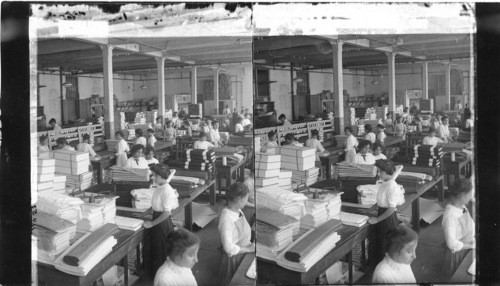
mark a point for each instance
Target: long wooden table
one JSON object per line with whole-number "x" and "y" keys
{"x": 127, "y": 241}
{"x": 462, "y": 274}
{"x": 240, "y": 277}
{"x": 350, "y": 236}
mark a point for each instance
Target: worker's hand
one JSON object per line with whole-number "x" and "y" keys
{"x": 373, "y": 220}
{"x": 148, "y": 224}
{"x": 251, "y": 248}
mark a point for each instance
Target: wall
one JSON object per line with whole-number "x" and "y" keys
{"x": 50, "y": 96}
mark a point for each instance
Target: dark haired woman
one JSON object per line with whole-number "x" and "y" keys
{"x": 137, "y": 161}
{"x": 313, "y": 142}
{"x": 350, "y": 145}
{"x": 235, "y": 232}
{"x": 121, "y": 149}
{"x": 164, "y": 200}
{"x": 389, "y": 196}
{"x": 182, "y": 254}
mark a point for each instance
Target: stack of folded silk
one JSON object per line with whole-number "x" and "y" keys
{"x": 353, "y": 219}
{"x": 128, "y": 223}
{"x": 275, "y": 232}
{"x": 346, "y": 169}
{"x": 316, "y": 213}
{"x": 95, "y": 215}
{"x": 368, "y": 194}
{"x": 60, "y": 205}
{"x": 307, "y": 250}
{"x": 284, "y": 201}
{"x": 131, "y": 175}
{"x": 53, "y": 236}
{"x": 334, "y": 204}
{"x": 308, "y": 177}
{"x": 198, "y": 159}
{"x": 426, "y": 155}
{"x": 88, "y": 251}
{"x": 141, "y": 198}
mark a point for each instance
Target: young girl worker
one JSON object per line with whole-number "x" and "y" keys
{"x": 350, "y": 144}
{"x": 182, "y": 254}
{"x": 121, "y": 149}
{"x": 136, "y": 161}
{"x": 431, "y": 139}
{"x": 370, "y": 136}
{"x": 164, "y": 200}
{"x": 235, "y": 233}
{"x": 400, "y": 245}
{"x": 458, "y": 227}
{"x": 313, "y": 142}
{"x": 377, "y": 152}
{"x": 389, "y": 196}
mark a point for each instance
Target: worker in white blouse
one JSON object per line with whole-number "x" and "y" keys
{"x": 121, "y": 149}
{"x": 85, "y": 147}
{"x": 202, "y": 143}
{"x": 53, "y": 123}
{"x": 370, "y": 136}
{"x": 235, "y": 233}
{"x": 182, "y": 254}
{"x": 164, "y": 200}
{"x": 151, "y": 140}
{"x": 137, "y": 160}
{"x": 283, "y": 120}
{"x": 139, "y": 138}
{"x": 176, "y": 121}
{"x": 62, "y": 144}
{"x": 313, "y": 142}
{"x": 401, "y": 244}
{"x": 214, "y": 136}
{"x": 272, "y": 136}
{"x": 350, "y": 144}
{"x": 364, "y": 157}
{"x": 290, "y": 140}
{"x": 44, "y": 144}
{"x": 458, "y": 227}
{"x": 431, "y": 139}
{"x": 238, "y": 127}
{"x": 444, "y": 131}
{"x": 227, "y": 110}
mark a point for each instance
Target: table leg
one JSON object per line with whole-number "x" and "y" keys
{"x": 328, "y": 170}
{"x": 441, "y": 190}
{"x": 125, "y": 270}
{"x": 212, "y": 195}
{"x": 349, "y": 261}
{"x": 363, "y": 251}
{"x": 188, "y": 215}
{"x": 415, "y": 213}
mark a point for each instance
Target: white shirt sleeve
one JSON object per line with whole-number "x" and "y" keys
{"x": 450, "y": 226}
{"x": 169, "y": 198}
{"x": 226, "y": 229}
{"x": 393, "y": 194}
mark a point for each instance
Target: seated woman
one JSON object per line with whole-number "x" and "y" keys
{"x": 381, "y": 134}
{"x": 290, "y": 140}
{"x": 370, "y": 136}
{"x": 214, "y": 136}
{"x": 62, "y": 144}
{"x": 238, "y": 127}
{"x": 431, "y": 139}
{"x": 44, "y": 144}
{"x": 159, "y": 128}
{"x": 272, "y": 136}
{"x": 247, "y": 121}
{"x": 186, "y": 125}
{"x": 400, "y": 128}
{"x": 400, "y": 245}
{"x": 203, "y": 143}
{"x": 139, "y": 138}
{"x": 85, "y": 147}
{"x": 170, "y": 132}
{"x": 151, "y": 140}
{"x": 363, "y": 157}
{"x": 136, "y": 161}
{"x": 444, "y": 131}
{"x": 377, "y": 152}
{"x": 182, "y": 254}
{"x": 313, "y": 142}
{"x": 149, "y": 153}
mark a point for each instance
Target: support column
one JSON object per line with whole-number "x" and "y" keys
{"x": 391, "y": 60}
{"x": 109, "y": 108}
{"x": 471, "y": 85}
{"x": 194, "y": 85}
{"x": 338, "y": 88}
{"x": 160, "y": 64}
{"x": 216, "y": 90}
{"x": 425, "y": 80}
{"x": 447, "y": 79}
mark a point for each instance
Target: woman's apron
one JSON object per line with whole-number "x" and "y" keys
{"x": 381, "y": 229}
{"x": 159, "y": 235}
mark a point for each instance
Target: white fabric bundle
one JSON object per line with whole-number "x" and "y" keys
{"x": 353, "y": 219}
{"x": 60, "y": 205}
{"x": 128, "y": 223}
{"x": 287, "y": 202}
{"x": 142, "y": 198}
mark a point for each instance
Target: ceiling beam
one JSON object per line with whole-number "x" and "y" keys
{"x": 367, "y": 43}
{"x": 60, "y": 46}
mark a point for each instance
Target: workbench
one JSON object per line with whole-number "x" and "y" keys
{"x": 106, "y": 159}
{"x": 240, "y": 277}
{"x": 462, "y": 274}
{"x": 331, "y": 159}
{"x": 229, "y": 174}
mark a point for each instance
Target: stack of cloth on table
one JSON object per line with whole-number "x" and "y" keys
{"x": 196, "y": 159}
{"x": 274, "y": 231}
{"x": 368, "y": 194}
{"x": 95, "y": 215}
{"x": 141, "y": 198}
{"x": 60, "y": 205}
{"x": 426, "y": 155}
{"x": 45, "y": 174}
{"x": 53, "y": 235}
{"x": 71, "y": 162}
{"x": 190, "y": 173}
{"x": 128, "y": 223}
{"x": 307, "y": 177}
{"x": 285, "y": 179}
{"x": 130, "y": 175}
{"x": 307, "y": 250}
{"x": 350, "y": 185}
{"x": 82, "y": 181}
{"x": 316, "y": 213}
{"x": 412, "y": 181}
{"x": 60, "y": 183}
{"x": 353, "y": 219}
{"x": 267, "y": 170}
{"x": 346, "y": 169}
{"x": 296, "y": 158}
{"x": 284, "y": 201}
{"x": 334, "y": 204}
{"x": 185, "y": 185}
{"x": 453, "y": 147}
{"x": 88, "y": 251}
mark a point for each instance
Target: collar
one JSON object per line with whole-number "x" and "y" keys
{"x": 395, "y": 265}
{"x": 458, "y": 212}
{"x": 232, "y": 215}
